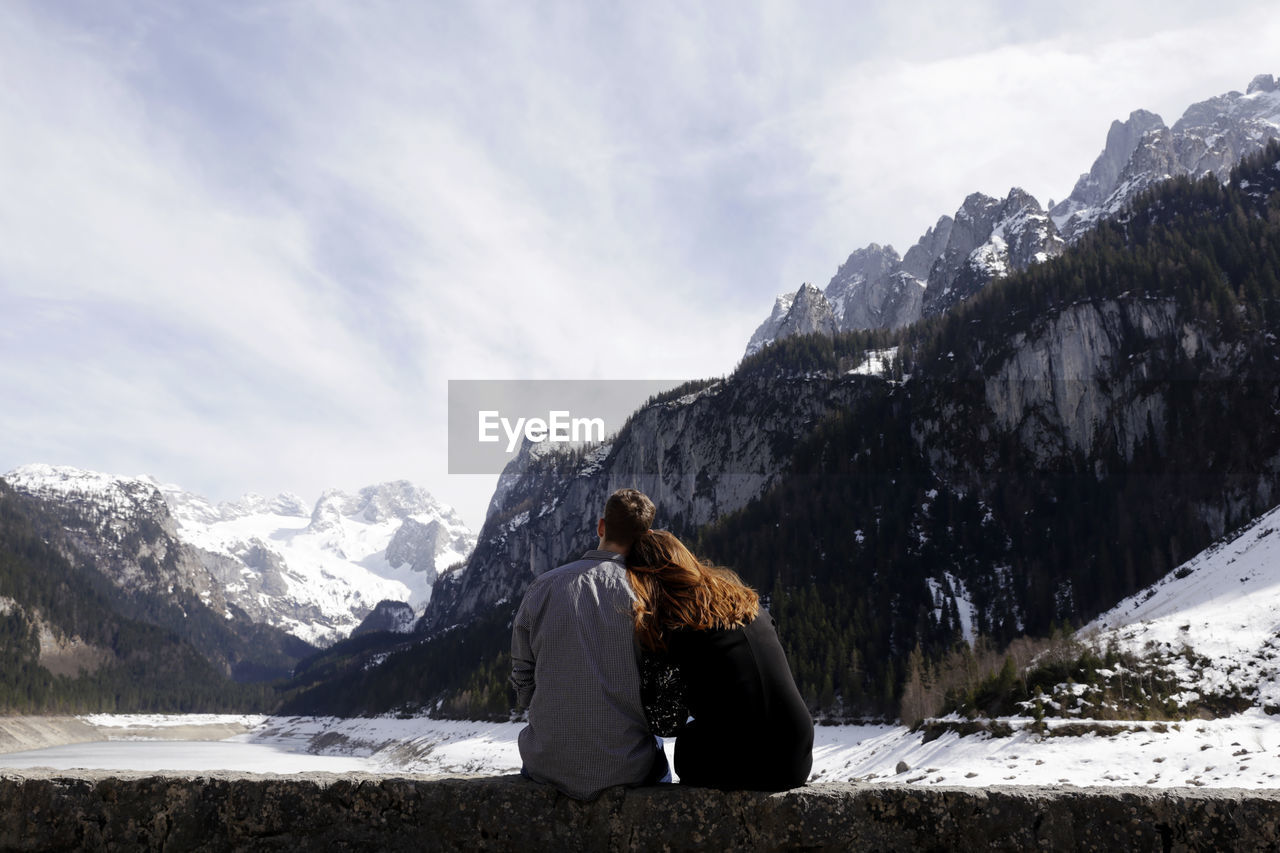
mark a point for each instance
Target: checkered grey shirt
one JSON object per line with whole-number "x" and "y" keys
{"x": 573, "y": 663}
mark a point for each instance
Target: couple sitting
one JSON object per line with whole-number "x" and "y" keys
{"x": 639, "y": 624}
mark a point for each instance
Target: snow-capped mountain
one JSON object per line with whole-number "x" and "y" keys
{"x": 1213, "y": 620}
{"x": 1210, "y": 138}
{"x": 876, "y": 289}
{"x": 315, "y": 571}
{"x": 989, "y": 238}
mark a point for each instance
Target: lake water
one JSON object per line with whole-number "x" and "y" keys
{"x": 183, "y": 756}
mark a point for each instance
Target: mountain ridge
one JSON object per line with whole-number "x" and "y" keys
{"x": 313, "y": 572}
{"x": 1210, "y": 137}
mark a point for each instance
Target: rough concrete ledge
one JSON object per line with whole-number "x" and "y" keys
{"x": 45, "y": 810}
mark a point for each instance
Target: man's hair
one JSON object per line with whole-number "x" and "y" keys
{"x": 627, "y": 514}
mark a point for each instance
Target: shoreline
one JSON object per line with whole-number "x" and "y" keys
{"x": 26, "y": 733}
{"x": 1240, "y": 751}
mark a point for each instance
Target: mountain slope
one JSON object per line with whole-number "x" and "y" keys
{"x": 698, "y": 452}
{"x": 312, "y": 572}
{"x": 1064, "y": 439}
{"x": 66, "y": 644}
{"x": 1213, "y": 620}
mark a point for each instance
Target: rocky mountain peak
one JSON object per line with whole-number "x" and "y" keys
{"x": 977, "y": 209}
{"x": 329, "y": 510}
{"x": 396, "y": 617}
{"x": 98, "y": 495}
{"x": 398, "y": 499}
{"x": 919, "y": 258}
{"x": 872, "y": 261}
{"x": 767, "y": 332}
{"x": 989, "y": 237}
{"x": 802, "y": 313}
{"x": 871, "y": 290}
{"x": 810, "y": 313}
{"x": 1262, "y": 83}
{"x": 418, "y": 545}
{"x": 287, "y": 503}
{"x": 864, "y": 268}
{"x": 1210, "y": 138}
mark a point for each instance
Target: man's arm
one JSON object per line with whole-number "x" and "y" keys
{"x": 521, "y": 658}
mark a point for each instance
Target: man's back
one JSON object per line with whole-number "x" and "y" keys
{"x": 573, "y": 664}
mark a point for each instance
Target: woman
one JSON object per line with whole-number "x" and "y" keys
{"x": 749, "y": 728}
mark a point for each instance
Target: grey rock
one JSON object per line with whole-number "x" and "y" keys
{"x": 1100, "y": 181}
{"x": 323, "y": 812}
{"x": 1209, "y": 139}
{"x": 810, "y": 313}
{"x": 419, "y": 545}
{"x": 1262, "y": 83}
{"x": 875, "y": 289}
{"x": 697, "y": 457}
{"x": 807, "y": 311}
{"x": 920, "y": 258}
{"x": 989, "y": 239}
{"x": 394, "y": 616}
{"x": 269, "y": 568}
{"x": 767, "y": 332}
{"x": 871, "y": 290}
{"x": 1059, "y": 388}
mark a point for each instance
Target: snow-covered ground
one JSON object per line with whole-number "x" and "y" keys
{"x": 876, "y": 362}
{"x": 1242, "y": 751}
{"x": 1239, "y": 752}
{"x": 1214, "y": 620}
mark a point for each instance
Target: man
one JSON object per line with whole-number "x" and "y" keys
{"x": 573, "y": 664}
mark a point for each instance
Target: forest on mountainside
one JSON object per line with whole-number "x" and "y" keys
{"x": 116, "y": 663}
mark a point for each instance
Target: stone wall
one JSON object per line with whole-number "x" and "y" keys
{"x": 43, "y": 810}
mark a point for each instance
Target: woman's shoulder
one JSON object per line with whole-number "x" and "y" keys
{"x": 694, "y": 637}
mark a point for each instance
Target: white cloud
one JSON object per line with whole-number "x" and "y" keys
{"x": 246, "y": 245}
{"x": 900, "y": 143}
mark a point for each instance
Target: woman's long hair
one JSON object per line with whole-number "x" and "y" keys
{"x": 675, "y": 590}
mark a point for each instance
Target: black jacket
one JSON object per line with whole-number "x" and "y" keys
{"x": 750, "y": 727}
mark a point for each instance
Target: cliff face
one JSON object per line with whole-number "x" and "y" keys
{"x": 320, "y": 812}
{"x": 1084, "y": 372}
{"x": 698, "y": 457}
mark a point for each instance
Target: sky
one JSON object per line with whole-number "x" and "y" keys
{"x": 244, "y": 246}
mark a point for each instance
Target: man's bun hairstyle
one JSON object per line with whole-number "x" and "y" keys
{"x": 627, "y": 514}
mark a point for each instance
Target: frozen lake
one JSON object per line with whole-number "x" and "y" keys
{"x": 184, "y": 756}
{"x": 1235, "y": 752}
